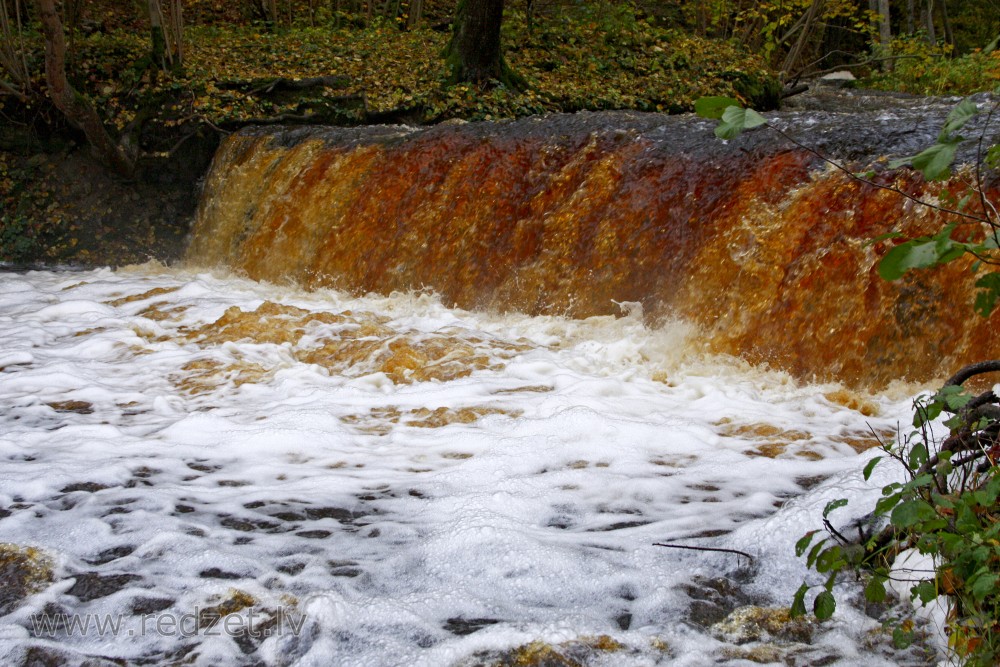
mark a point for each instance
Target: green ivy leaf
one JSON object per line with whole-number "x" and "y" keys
{"x": 901, "y": 638}
{"x": 984, "y": 584}
{"x": 913, "y": 254}
{"x": 926, "y": 591}
{"x": 828, "y": 560}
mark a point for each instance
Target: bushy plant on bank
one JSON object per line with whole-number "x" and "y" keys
{"x": 947, "y": 507}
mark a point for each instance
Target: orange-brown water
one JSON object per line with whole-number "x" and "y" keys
{"x": 766, "y": 251}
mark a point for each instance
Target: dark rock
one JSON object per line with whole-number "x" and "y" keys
{"x": 91, "y": 585}
{"x": 114, "y": 553}
{"x": 466, "y": 626}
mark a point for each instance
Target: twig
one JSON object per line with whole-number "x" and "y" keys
{"x": 693, "y": 548}
{"x": 24, "y": 99}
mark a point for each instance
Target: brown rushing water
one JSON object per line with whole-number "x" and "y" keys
{"x": 756, "y": 242}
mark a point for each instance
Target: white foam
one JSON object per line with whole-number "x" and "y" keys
{"x": 539, "y": 520}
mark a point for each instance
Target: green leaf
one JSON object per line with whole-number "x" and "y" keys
{"x": 984, "y": 584}
{"x": 814, "y": 552}
{"x": 914, "y": 254}
{"x": 824, "y": 605}
{"x": 803, "y": 543}
{"x": 832, "y": 505}
{"x": 926, "y": 591}
{"x": 871, "y": 466}
{"x": 901, "y": 638}
{"x": 988, "y": 294}
{"x": 910, "y": 513}
{"x": 828, "y": 560}
{"x": 963, "y": 112}
{"x": 735, "y": 120}
{"x": 935, "y": 162}
{"x": 875, "y": 590}
{"x": 713, "y": 107}
{"x": 885, "y": 504}
{"x": 799, "y": 602}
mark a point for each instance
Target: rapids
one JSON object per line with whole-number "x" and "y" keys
{"x": 385, "y": 480}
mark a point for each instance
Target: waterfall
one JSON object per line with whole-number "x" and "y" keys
{"x": 758, "y": 242}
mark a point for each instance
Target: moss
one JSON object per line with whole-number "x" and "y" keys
{"x": 573, "y": 653}
{"x": 234, "y": 602}
{"x": 753, "y": 623}
{"x": 23, "y": 572}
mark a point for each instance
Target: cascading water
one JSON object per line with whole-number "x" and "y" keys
{"x": 455, "y": 448}
{"x": 755, "y": 242}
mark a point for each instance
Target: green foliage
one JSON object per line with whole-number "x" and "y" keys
{"x": 19, "y": 235}
{"x": 924, "y": 69}
{"x": 947, "y": 509}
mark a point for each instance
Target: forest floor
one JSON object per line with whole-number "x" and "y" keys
{"x": 57, "y": 205}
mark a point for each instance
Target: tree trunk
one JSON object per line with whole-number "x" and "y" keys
{"x": 78, "y": 110}
{"x": 931, "y": 37}
{"x": 158, "y": 50}
{"x": 884, "y": 32}
{"x": 416, "y": 13}
{"x": 949, "y": 37}
{"x": 911, "y": 10}
{"x": 166, "y": 30}
{"x": 474, "y": 54}
{"x": 808, "y": 21}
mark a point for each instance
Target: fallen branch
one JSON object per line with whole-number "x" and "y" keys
{"x": 693, "y": 548}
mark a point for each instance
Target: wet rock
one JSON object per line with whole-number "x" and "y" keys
{"x": 79, "y": 407}
{"x": 575, "y": 653}
{"x": 712, "y": 600}
{"x": 143, "y": 606}
{"x": 235, "y": 602}
{"x": 91, "y": 585}
{"x": 794, "y": 655}
{"x": 314, "y": 534}
{"x": 752, "y": 623}
{"x": 466, "y": 626}
{"x": 291, "y": 569}
{"x": 47, "y": 656}
{"x": 23, "y": 572}
{"x": 89, "y": 487}
{"x": 250, "y": 525}
{"x": 337, "y": 513}
{"x": 216, "y": 573}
